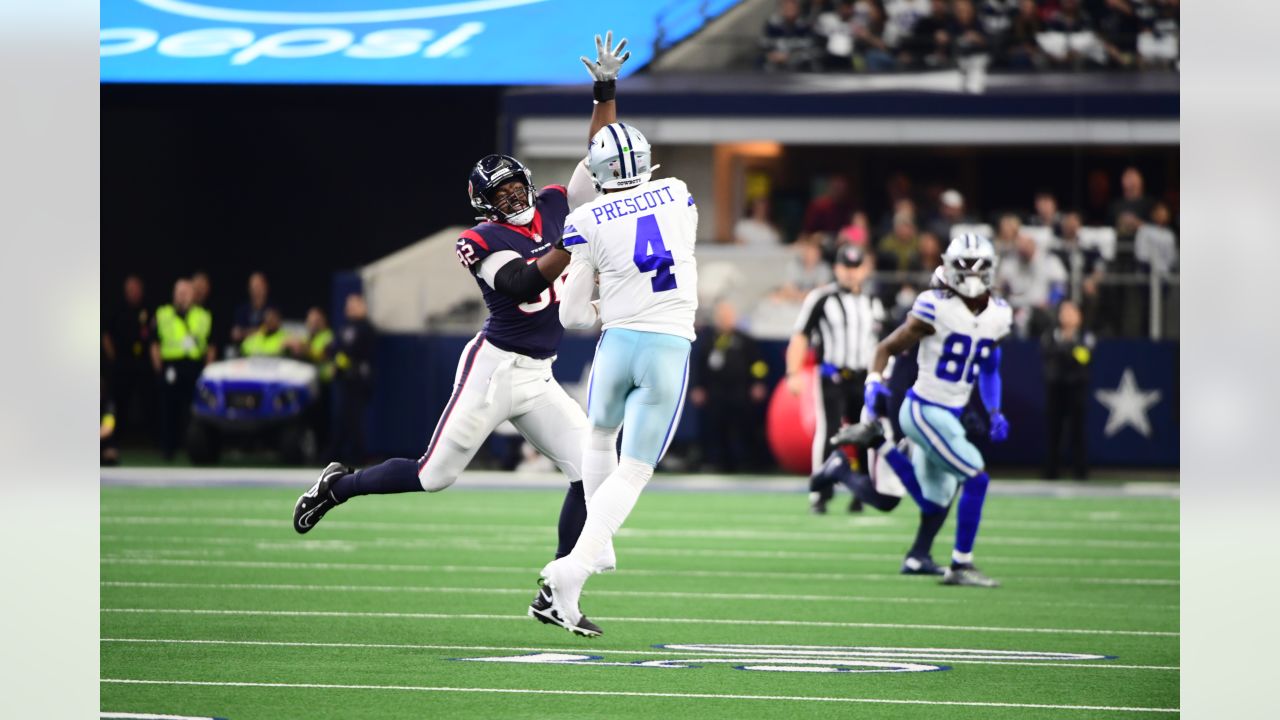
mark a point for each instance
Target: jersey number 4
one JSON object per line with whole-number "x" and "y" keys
{"x": 959, "y": 353}
{"x": 652, "y": 255}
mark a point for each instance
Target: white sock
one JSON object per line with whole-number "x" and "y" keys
{"x": 600, "y": 459}
{"x": 963, "y": 558}
{"x": 608, "y": 509}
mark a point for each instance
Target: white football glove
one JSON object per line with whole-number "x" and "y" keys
{"x": 608, "y": 62}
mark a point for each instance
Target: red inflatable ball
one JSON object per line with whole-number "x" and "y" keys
{"x": 789, "y": 425}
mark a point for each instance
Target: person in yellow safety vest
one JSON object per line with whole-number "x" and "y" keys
{"x": 318, "y": 348}
{"x": 178, "y": 355}
{"x": 270, "y": 339}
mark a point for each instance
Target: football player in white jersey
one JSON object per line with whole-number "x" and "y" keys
{"x": 638, "y": 238}
{"x": 958, "y": 329}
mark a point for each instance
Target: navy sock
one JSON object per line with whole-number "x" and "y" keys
{"x": 930, "y": 524}
{"x": 837, "y": 469}
{"x": 972, "y": 497}
{"x": 397, "y": 475}
{"x": 573, "y": 515}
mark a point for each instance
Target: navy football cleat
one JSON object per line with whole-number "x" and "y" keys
{"x": 865, "y": 435}
{"x": 317, "y": 501}
{"x": 921, "y": 565}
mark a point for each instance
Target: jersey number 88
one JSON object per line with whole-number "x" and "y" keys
{"x": 956, "y": 357}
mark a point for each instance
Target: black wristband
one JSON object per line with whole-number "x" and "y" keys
{"x": 604, "y": 90}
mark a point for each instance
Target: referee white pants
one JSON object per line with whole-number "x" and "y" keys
{"x": 492, "y": 386}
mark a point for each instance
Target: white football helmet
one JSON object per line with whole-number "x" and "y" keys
{"x": 970, "y": 265}
{"x": 619, "y": 157}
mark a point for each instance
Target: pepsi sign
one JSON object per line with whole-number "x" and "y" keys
{"x": 462, "y": 42}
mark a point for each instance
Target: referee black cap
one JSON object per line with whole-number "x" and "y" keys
{"x": 850, "y": 255}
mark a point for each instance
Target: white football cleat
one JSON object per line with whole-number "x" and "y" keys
{"x": 564, "y": 580}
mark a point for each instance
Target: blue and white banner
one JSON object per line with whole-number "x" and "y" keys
{"x": 382, "y": 42}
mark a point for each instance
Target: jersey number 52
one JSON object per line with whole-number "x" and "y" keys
{"x": 652, "y": 255}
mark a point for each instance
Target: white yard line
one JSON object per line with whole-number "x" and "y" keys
{"x": 763, "y": 521}
{"x": 548, "y": 531}
{"x": 669, "y": 621}
{"x": 485, "y": 569}
{"x": 600, "y": 593}
{"x": 621, "y": 693}
{"x": 329, "y": 545}
{"x": 903, "y": 654}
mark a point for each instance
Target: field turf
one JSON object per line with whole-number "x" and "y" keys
{"x": 213, "y": 607}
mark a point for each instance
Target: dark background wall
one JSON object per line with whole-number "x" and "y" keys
{"x": 296, "y": 181}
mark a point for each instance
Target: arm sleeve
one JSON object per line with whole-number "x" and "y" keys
{"x": 519, "y": 280}
{"x": 989, "y": 385}
{"x": 577, "y": 311}
{"x": 582, "y": 187}
{"x": 488, "y": 268}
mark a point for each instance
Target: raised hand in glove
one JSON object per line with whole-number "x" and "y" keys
{"x": 608, "y": 62}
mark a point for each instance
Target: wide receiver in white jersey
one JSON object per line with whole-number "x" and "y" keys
{"x": 958, "y": 329}
{"x": 638, "y": 238}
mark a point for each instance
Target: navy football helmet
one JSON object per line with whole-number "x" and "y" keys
{"x": 491, "y": 173}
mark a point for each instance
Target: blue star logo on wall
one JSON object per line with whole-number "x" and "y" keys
{"x": 1128, "y": 406}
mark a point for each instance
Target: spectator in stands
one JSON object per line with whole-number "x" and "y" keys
{"x": 930, "y": 42}
{"x": 1066, "y": 351}
{"x": 828, "y": 212}
{"x": 788, "y": 40}
{"x": 249, "y": 315}
{"x": 969, "y": 39}
{"x": 900, "y": 19}
{"x": 950, "y": 212}
{"x": 269, "y": 340}
{"x": 834, "y": 29}
{"x": 1032, "y": 280}
{"x": 1133, "y": 200}
{"x": 126, "y": 341}
{"x": 354, "y": 389}
{"x": 755, "y": 228}
{"x": 727, "y": 383}
{"x": 1098, "y": 198}
{"x": 1158, "y": 37}
{"x": 857, "y": 232}
{"x": 1118, "y": 26}
{"x": 1022, "y": 52}
{"x": 1085, "y": 269}
{"x": 894, "y": 250}
{"x": 1008, "y": 229}
{"x": 806, "y": 271}
{"x": 871, "y": 50}
{"x": 926, "y": 258}
{"x": 1074, "y": 41}
{"x": 1046, "y": 213}
{"x": 1155, "y": 244}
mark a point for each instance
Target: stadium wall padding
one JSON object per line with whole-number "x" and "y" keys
{"x": 415, "y": 378}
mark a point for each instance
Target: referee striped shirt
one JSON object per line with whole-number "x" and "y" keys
{"x": 842, "y": 327}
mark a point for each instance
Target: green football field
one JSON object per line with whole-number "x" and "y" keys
{"x": 725, "y": 605}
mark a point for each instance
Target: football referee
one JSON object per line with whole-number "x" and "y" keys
{"x": 842, "y": 322}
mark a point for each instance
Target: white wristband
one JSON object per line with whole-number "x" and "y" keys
{"x": 873, "y": 377}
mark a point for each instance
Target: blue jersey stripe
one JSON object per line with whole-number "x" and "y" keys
{"x": 574, "y": 240}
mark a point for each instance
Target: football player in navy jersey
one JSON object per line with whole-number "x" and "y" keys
{"x": 518, "y": 259}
